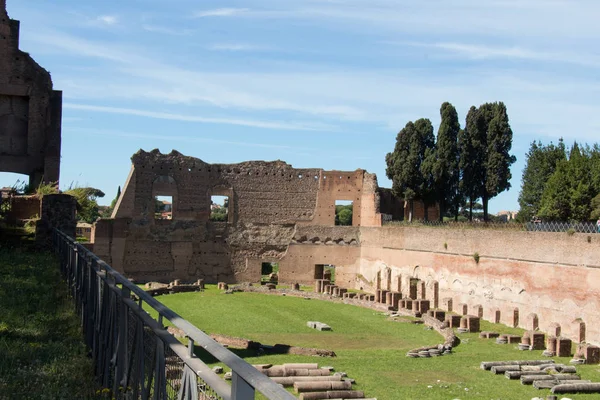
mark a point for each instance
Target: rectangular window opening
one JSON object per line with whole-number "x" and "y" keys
{"x": 219, "y": 208}
{"x": 343, "y": 212}
{"x": 163, "y": 207}
{"x": 269, "y": 272}
{"x": 319, "y": 268}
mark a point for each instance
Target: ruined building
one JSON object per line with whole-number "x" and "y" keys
{"x": 271, "y": 207}
{"x": 30, "y": 111}
{"x": 277, "y": 213}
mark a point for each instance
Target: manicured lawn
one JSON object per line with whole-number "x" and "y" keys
{"x": 42, "y": 355}
{"x": 369, "y": 348}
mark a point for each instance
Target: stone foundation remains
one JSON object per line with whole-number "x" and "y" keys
{"x": 280, "y": 214}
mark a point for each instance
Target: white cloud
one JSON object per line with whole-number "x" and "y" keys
{"x": 194, "y": 118}
{"x": 177, "y": 138}
{"x": 236, "y": 47}
{"x": 167, "y": 31}
{"x": 485, "y": 52}
{"x": 221, "y": 12}
{"x": 108, "y": 19}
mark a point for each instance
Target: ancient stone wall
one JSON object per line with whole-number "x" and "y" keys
{"x": 268, "y": 203}
{"x": 58, "y": 211}
{"x": 30, "y": 111}
{"x": 285, "y": 215}
{"x": 519, "y": 276}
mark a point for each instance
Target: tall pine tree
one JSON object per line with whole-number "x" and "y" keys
{"x": 485, "y": 158}
{"x": 404, "y": 163}
{"x": 471, "y": 152}
{"x": 441, "y": 164}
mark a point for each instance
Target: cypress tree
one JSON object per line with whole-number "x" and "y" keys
{"x": 441, "y": 163}
{"x": 404, "y": 163}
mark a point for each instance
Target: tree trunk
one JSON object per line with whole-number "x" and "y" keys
{"x": 470, "y": 209}
{"x": 442, "y": 207}
{"x": 410, "y": 210}
{"x": 485, "y": 200}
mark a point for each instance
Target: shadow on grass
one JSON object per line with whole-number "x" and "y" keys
{"x": 42, "y": 353}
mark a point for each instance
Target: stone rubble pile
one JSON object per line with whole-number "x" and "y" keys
{"x": 312, "y": 382}
{"x": 543, "y": 374}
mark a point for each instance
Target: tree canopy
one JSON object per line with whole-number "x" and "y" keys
{"x": 560, "y": 188}
{"x": 473, "y": 163}
{"x": 404, "y": 165}
{"x": 87, "y": 206}
{"x": 541, "y": 162}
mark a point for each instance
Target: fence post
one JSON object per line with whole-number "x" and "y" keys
{"x": 240, "y": 389}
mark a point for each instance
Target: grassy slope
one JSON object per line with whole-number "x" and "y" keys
{"x": 41, "y": 352}
{"x": 369, "y": 348}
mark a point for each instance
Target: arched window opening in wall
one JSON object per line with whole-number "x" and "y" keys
{"x": 219, "y": 208}
{"x": 343, "y": 212}
{"x": 163, "y": 207}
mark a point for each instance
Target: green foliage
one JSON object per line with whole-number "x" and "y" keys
{"x": 441, "y": 163}
{"x": 485, "y": 153}
{"x": 46, "y": 188}
{"x": 541, "y": 162}
{"x": 476, "y": 257}
{"x": 471, "y": 150}
{"x": 570, "y": 191}
{"x": 42, "y": 354}
{"x": 343, "y": 215}
{"x": 404, "y": 165}
{"x": 87, "y": 206}
{"x": 218, "y": 214}
{"x": 595, "y": 215}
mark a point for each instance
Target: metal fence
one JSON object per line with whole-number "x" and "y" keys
{"x": 574, "y": 227}
{"x": 134, "y": 356}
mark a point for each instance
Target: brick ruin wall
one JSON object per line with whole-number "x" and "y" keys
{"x": 30, "y": 111}
{"x": 269, "y": 203}
{"x": 286, "y": 215}
{"x": 522, "y": 279}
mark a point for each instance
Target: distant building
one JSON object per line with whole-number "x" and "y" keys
{"x": 507, "y": 216}
{"x": 84, "y": 229}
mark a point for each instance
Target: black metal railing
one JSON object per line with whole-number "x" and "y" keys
{"x": 134, "y": 355}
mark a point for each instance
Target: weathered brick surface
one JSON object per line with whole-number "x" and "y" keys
{"x": 30, "y": 111}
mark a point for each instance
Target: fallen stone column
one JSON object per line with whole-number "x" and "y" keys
{"x": 486, "y": 365}
{"x": 577, "y": 388}
{"x": 301, "y": 365}
{"x": 300, "y": 387}
{"x": 290, "y": 380}
{"x": 501, "y": 369}
{"x": 528, "y": 379}
{"x": 345, "y": 394}
{"x": 550, "y": 384}
{"x": 519, "y": 374}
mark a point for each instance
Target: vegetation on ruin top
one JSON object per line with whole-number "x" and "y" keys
{"x": 42, "y": 355}
{"x": 369, "y": 348}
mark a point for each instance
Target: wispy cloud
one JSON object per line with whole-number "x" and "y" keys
{"x": 194, "y": 118}
{"x": 178, "y": 138}
{"x": 486, "y": 52}
{"x": 236, "y": 47}
{"x": 167, "y": 31}
{"x": 220, "y": 12}
{"x": 107, "y": 19}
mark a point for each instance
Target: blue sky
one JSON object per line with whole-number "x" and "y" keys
{"x": 316, "y": 83}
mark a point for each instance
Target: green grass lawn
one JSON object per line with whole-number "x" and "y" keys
{"x": 369, "y": 348}
{"x": 42, "y": 355}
